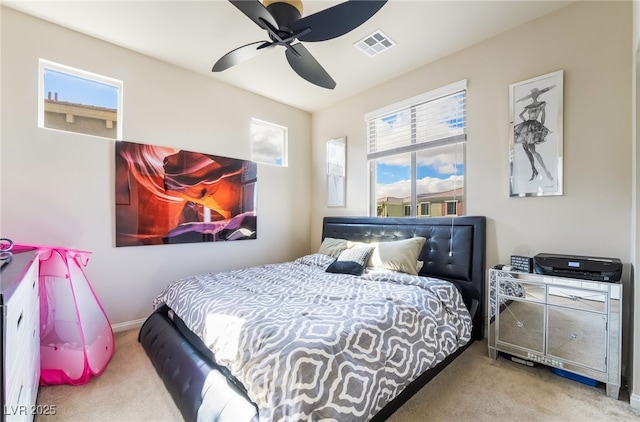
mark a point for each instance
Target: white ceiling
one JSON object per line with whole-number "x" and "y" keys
{"x": 194, "y": 34}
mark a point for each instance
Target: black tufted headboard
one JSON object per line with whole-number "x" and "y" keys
{"x": 454, "y": 250}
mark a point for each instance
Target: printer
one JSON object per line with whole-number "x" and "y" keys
{"x": 575, "y": 266}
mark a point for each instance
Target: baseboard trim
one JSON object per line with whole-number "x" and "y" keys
{"x": 634, "y": 400}
{"x": 129, "y": 325}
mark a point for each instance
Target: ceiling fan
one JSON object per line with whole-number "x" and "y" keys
{"x": 283, "y": 22}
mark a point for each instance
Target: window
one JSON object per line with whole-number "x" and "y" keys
{"x": 452, "y": 207}
{"x": 416, "y": 152}
{"x": 74, "y": 100}
{"x": 268, "y": 143}
{"x": 425, "y": 209}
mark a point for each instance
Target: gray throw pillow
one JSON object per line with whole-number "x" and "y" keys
{"x": 351, "y": 261}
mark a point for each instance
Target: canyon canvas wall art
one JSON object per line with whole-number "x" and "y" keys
{"x": 167, "y": 195}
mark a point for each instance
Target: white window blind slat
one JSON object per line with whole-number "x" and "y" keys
{"x": 415, "y": 147}
{"x": 444, "y": 117}
{"x": 418, "y": 99}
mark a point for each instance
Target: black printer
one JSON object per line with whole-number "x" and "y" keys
{"x": 582, "y": 267}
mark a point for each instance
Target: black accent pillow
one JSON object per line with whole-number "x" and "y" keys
{"x": 351, "y": 261}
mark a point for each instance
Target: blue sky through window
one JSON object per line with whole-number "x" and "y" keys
{"x": 74, "y": 89}
{"x": 391, "y": 173}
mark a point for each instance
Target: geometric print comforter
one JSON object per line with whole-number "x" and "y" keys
{"x": 310, "y": 345}
{"x": 507, "y": 288}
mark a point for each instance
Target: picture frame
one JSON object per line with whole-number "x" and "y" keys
{"x": 336, "y": 172}
{"x": 535, "y": 136}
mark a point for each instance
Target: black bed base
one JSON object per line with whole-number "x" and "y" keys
{"x": 200, "y": 388}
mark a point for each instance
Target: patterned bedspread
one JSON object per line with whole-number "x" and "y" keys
{"x": 310, "y": 345}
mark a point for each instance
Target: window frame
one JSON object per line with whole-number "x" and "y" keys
{"x": 44, "y": 64}
{"x": 455, "y": 207}
{"x": 423, "y": 204}
{"x": 414, "y": 148}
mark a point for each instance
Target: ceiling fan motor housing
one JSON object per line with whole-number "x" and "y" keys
{"x": 284, "y": 13}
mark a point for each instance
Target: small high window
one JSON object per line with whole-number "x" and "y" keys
{"x": 268, "y": 143}
{"x": 75, "y": 100}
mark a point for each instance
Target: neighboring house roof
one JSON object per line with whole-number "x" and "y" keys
{"x": 83, "y": 110}
{"x": 457, "y": 193}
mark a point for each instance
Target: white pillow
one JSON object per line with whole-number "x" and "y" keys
{"x": 332, "y": 247}
{"x": 397, "y": 255}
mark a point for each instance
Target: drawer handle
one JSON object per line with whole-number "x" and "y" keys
{"x": 19, "y": 320}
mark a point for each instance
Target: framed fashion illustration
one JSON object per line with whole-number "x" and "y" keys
{"x": 336, "y": 172}
{"x": 535, "y": 140}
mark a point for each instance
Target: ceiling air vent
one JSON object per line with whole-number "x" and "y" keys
{"x": 375, "y": 43}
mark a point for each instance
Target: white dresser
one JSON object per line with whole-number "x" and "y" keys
{"x": 570, "y": 324}
{"x": 20, "y": 310}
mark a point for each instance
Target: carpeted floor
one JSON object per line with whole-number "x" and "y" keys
{"x": 473, "y": 388}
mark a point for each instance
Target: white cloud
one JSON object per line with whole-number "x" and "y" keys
{"x": 267, "y": 143}
{"x": 402, "y": 188}
{"x": 443, "y": 159}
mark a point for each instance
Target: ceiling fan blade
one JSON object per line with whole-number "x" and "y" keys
{"x": 240, "y": 55}
{"x": 305, "y": 65}
{"x": 255, "y": 11}
{"x": 337, "y": 20}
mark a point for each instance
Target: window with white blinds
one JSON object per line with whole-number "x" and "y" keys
{"x": 416, "y": 153}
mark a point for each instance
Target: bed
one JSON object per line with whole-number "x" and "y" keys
{"x": 303, "y": 368}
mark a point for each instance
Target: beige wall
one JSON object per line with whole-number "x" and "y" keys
{"x": 591, "y": 42}
{"x": 58, "y": 188}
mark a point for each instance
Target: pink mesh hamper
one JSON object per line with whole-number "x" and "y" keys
{"x": 76, "y": 339}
